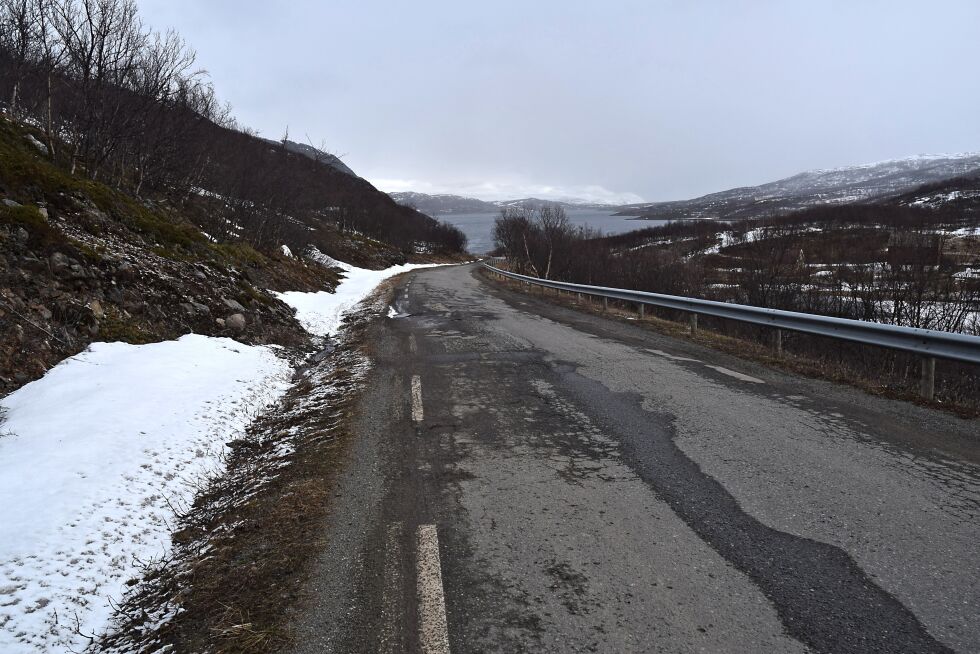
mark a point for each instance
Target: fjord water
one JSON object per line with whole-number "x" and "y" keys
{"x": 478, "y": 227}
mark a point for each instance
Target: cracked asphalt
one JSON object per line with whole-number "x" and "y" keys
{"x": 597, "y": 487}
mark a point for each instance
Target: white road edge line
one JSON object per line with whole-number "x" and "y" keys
{"x": 417, "y": 414}
{"x": 736, "y": 375}
{"x": 433, "y": 628}
{"x": 671, "y": 356}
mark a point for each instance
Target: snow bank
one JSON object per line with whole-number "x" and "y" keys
{"x": 321, "y": 313}
{"x": 90, "y": 456}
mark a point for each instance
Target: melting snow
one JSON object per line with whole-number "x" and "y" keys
{"x": 93, "y": 455}
{"x": 321, "y": 313}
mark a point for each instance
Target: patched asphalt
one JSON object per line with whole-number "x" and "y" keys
{"x": 598, "y": 487}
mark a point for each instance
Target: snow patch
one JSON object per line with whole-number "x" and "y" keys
{"x": 321, "y": 312}
{"x": 92, "y": 458}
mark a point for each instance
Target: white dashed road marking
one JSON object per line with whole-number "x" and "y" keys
{"x": 416, "y": 398}
{"x": 433, "y": 629}
{"x": 390, "y": 643}
{"x": 736, "y": 375}
{"x": 413, "y": 346}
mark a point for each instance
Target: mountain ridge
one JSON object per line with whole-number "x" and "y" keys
{"x": 818, "y": 186}
{"x": 443, "y": 204}
{"x": 842, "y": 185}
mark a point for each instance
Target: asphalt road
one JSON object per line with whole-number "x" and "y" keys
{"x": 529, "y": 478}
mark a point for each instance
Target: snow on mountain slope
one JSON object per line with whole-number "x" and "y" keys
{"x": 92, "y": 458}
{"x": 829, "y": 186}
{"x": 444, "y": 203}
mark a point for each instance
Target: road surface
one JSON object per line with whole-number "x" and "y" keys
{"x": 529, "y": 478}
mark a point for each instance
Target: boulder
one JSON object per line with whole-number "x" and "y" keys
{"x": 96, "y": 308}
{"x": 234, "y": 305}
{"x": 59, "y": 263}
{"x": 235, "y": 322}
{"x": 11, "y": 203}
{"x": 32, "y": 264}
{"x": 220, "y": 322}
{"x": 125, "y": 270}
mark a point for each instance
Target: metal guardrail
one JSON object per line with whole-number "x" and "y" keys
{"x": 928, "y": 343}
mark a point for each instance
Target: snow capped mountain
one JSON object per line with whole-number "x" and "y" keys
{"x": 446, "y": 204}
{"x": 443, "y": 203}
{"x": 815, "y": 187}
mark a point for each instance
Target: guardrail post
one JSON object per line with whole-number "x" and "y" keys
{"x": 578, "y": 298}
{"x": 639, "y": 308}
{"x": 605, "y": 303}
{"x": 778, "y": 343}
{"x": 694, "y": 322}
{"x": 927, "y": 383}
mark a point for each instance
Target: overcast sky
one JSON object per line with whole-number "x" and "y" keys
{"x": 604, "y": 99}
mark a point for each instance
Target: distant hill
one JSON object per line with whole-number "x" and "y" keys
{"x": 815, "y": 188}
{"x": 445, "y": 204}
{"x": 959, "y": 195}
{"x": 437, "y": 205}
{"x": 316, "y": 154}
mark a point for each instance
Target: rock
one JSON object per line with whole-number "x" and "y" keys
{"x": 33, "y": 264}
{"x": 10, "y": 203}
{"x": 59, "y": 263}
{"x": 43, "y": 149}
{"x": 21, "y": 235}
{"x": 220, "y": 322}
{"x": 233, "y": 305}
{"x": 200, "y": 275}
{"x": 201, "y": 308}
{"x": 126, "y": 270}
{"x": 235, "y": 322}
{"x": 96, "y": 308}
{"x": 187, "y": 308}
{"x": 44, "y": 212}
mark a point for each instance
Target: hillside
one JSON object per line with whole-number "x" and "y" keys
{"x": 315, "y": 154}
{"x": 814, "y": 188}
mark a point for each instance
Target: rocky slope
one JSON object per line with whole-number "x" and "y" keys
{"x": 81, "y": 262}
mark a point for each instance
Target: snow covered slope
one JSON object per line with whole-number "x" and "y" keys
{"x": 815, "y": 187}
{"x": 93, "y": 456}
{"x": 321, "y": 313}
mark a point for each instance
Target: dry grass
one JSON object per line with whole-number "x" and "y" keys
{"x": 244, "y": 550}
